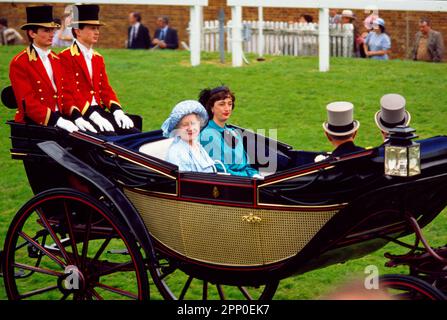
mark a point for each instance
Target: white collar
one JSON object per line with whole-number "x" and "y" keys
{"x": 136, "y": 25}
{"x": 43, "y": 54}
{"x": 85, "y": 51}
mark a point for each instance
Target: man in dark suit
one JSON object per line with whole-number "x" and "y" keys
{"x": 341, "y": 128}
{"x": 137, "y": 34}
{"x": 165, "y": 37}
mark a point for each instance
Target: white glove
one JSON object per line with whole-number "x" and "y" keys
{"x": 84, "y": 125}
{"x": 66, "y": 125}
{"x": 320, "y": 157}
{"x": 123, "y": 121}
{"x": 101, "y": 122}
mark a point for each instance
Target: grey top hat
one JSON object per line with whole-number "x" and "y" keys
{"x": 340, "y": 119}
{"x": 392, "y": 112}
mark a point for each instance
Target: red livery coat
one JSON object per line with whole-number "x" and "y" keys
{"x": 84, "y": 88}
{"x": 33, "y": 87}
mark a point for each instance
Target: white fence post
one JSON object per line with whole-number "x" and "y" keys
{"x": 236, "y": 36}
{"x": 261, "y": 40}
{"x": 324, "y": 39}
{"x": 196, "y": 21}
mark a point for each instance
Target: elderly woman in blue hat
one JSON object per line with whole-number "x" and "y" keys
{"x": 378, "y": 44}
{"x": 184, "y": 124}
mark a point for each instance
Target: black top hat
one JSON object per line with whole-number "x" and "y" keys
{"x": 41, "y": 16}
{"x": 85, "y": 14}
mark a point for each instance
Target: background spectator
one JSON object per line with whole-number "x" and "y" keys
{"x": 137, "y": 34}
{"x": 369, "y": 20}
{"x": 165, "y": 37}
{"x": 378, "y": 43}
{"x": 9, "y": 36}
{"x": 305, "y": 18}
{"x": 368, "y": 27}
{"x": 429, "y": 44}
{"x": 63, "y": 36}
{"x": 347, "y": 16}
{"x": 334, "y": 17}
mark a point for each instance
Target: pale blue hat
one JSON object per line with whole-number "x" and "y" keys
{"x": 180, "y": 110}
{"x": 379, "y": 22}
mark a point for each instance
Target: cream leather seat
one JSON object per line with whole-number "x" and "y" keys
{"x": 158, "y": 149}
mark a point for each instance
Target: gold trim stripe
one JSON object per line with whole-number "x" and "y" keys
{"x": 295, "y": 176}
{"x": 86, "y": 106}
{"x": 142, "y": 165}
{"x": 47, "y": 118}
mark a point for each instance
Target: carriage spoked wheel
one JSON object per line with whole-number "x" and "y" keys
{"x": 174, "y": 284}
{"x": 63, "y": 244}
{"x": 404, "y": 287}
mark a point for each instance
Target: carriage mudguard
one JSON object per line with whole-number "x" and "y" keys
{"x": 125, "y": 208}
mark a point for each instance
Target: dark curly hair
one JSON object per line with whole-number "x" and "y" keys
{"x": 208, "y": 97}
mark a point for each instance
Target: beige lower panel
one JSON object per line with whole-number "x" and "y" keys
{"x": 218, "y": 235}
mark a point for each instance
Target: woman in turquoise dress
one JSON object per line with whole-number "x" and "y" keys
{"x": 222, "y": 142}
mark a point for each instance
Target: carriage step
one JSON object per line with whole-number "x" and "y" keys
{"x": 119, "y": 251}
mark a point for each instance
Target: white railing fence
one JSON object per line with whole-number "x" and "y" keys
{"x": 281, "y": 38}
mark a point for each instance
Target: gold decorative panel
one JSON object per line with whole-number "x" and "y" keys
{"x": 228, "y": 235}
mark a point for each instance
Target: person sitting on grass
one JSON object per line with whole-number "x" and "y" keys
{"x": 184, "y": 124}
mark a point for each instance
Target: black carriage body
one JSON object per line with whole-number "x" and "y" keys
{"x": 236, "y": 230}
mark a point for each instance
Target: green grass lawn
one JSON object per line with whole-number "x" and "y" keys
{"x": 284, "y": 93}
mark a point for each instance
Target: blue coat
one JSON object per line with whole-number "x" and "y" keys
{"x": 187, "y": 159}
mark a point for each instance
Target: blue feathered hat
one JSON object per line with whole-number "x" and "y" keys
{"x": 180, "y": 110}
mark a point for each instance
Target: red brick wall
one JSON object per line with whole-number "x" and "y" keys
{"x": 400, "y": 25}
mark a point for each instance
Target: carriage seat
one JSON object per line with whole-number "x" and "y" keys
{"x": 158, "y": 149}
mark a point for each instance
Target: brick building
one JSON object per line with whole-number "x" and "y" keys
{"x": 401, "y": 25}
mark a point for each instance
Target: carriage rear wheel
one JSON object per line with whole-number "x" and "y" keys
{"x": 404, "y": 287}
{"x": 174, "y": 284}
{"x": 63, "y": 244}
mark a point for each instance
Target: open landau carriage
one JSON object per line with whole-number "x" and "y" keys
{"x": 110, "y": 217}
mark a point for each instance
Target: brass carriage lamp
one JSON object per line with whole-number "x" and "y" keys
{"x": 402, "y": 155}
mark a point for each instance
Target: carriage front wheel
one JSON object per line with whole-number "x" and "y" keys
{"x": 63, "y": 244}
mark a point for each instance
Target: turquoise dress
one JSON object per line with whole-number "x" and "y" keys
{"x": 235, "y": 160}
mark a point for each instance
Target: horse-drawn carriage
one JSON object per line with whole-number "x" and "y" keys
{"x": 110, "y": 216}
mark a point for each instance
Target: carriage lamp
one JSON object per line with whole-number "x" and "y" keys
{"x": 402, "y": 155}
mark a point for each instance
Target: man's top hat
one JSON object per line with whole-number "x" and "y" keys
{"x": 340, "y": 119}
{"x": 85, "y": 14}
{"x": 392, "y": 112}
{"x": 41, "y": 16}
